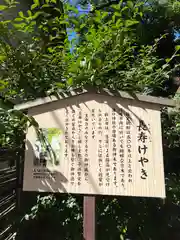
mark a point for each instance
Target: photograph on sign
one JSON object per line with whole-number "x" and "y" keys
{"x": 48, "y": 148}
{"x": 96, "y": 145}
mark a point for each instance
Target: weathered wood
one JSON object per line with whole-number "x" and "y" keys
{"x": 11, "y": 236}
{"x": 6, "y": 230}
{"x": 6, "y": 200}
{"x": 7, "y": 210}
{"x": 89, "y": 218}
{"x": 107, "y": 92}
{"x": 8, "y": 170}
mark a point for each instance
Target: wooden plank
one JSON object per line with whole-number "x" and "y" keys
{"x": 6, "y": 230}
{"x": 89, "y": 218}
{"x": 107, "y": 92}
{"x": 7, "y": 210}
{"x": 11, "y": 236}
{"x": 7, "y": 176}
{"x": 7, "y": 170}
{"x": 6, "y": 200}
{"x": 7, "y": 181}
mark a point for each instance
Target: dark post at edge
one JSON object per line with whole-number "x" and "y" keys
{"x": 89, "y": 213}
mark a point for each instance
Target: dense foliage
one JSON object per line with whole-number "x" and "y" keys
{"x": 128, "y": 46}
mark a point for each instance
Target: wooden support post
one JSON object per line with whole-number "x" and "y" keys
{"x": 89, "y": 215}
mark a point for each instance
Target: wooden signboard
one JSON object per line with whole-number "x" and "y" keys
{"x": 96, "y": 144}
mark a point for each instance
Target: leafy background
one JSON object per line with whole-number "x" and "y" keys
{"x": 127, "y": 45}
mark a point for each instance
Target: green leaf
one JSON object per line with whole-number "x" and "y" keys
{"x": 3, "y": 7}
{"x": 82, "y": 25}
{"x": 150, "y": 67}
{"x": 129, "y": 23}
{"x": 165, "y": 66}
{"x": 76, "y": 23}
{"x": 21, "y": 14}
{"x": 117, "y": 14}
{"x": 45, "y": 6}
{"x": 7, "y": 1}
{"x": 96, "y": 62}
{"x": 104, "y": 15}
{"x": 18, "y": 19}
{"x": 64, "y": 22}
{"x": 140, "y": 14}
{"x": 98, "y": 82}
{"x": 119, "y": 23}
{"x": 36, "y": 2}
{"x": 37, "y": 14}
{"x": 33, "y": 6}
{"x": 73, "y": 9}
{"x": 2, "y": 58}
{"x": 168, "y": 60}
{"x": 70, "y": 81}
{"x": 3, "y": 84}
{"x": 19, "y": 26}
{"x": 5, "y": 22}
{"x": 124, "y": 8}
{"x": 60, "y": 85}
{"x": 177, "y": 47}
{"x": 130, "y": 4}
{"x": 116, "y": 6}
{"x": 29, "y": 13}
{"x": 121, "y": 237}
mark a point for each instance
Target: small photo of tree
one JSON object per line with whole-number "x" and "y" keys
{"x": 48, "y": 147}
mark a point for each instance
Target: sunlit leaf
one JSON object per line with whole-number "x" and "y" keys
{"x": 73, "y": 9}
{"x": 3, "y": 7}
{"x": 37, "y": 14}
{"x": 168, "y": 60}
{"x": 21, "y": 14}
{"x": 18, "y": 19}
{"x": 130, "y": 4}
{"x": 2, "y": 58}
{"x": 129, "y": 23}
{"x": 29, "y": 13}
{"x": 177, "y": 47}
{"x": 36, "y": 2}
{"x": 70, "y": 81}
{"x": 33, "y": 6}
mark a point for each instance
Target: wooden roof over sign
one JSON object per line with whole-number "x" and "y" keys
{"x": 79, "y": 91}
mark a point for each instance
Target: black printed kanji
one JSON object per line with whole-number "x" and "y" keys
{"x": 142, "y": 126}
{"x": 142, "y": 137}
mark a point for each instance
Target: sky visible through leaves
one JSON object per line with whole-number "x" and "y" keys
{"x": 85, "y": 10}
{"x": 82, "y": 10}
